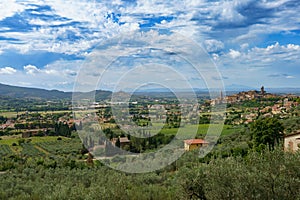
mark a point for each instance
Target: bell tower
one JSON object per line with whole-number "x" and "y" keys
{"x": 262, "y": 90}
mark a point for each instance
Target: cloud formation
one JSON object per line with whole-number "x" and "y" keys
{"x": 7, "y": 70}
{"x": 240, "y": 36}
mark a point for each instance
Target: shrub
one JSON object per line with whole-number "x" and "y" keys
{"x": 21, "y": 141}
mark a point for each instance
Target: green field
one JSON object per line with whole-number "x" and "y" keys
{"x": 14, "y": 114}
{"x": 14, "y": 139}
{"x": 10, "y": 114}
{"x": 202, "y": 129}
{"x": 36, "y": 146}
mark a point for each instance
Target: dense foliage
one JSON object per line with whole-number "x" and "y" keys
{"x": 267, "y": 132}
{"x": 267, "y": 175}
{"x": 31, "y": 104}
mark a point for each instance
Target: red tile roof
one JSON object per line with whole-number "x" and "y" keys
{"x": 195, "y": 141}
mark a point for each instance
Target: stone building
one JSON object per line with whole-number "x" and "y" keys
{"x": 292, "y": 142}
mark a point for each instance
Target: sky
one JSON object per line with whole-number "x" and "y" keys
{"x": 51, "y": 43}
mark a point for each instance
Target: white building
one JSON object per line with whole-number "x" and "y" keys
{"x": 292, "y": 142}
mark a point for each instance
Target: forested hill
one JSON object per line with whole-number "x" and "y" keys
{"x": 35, "y": 93}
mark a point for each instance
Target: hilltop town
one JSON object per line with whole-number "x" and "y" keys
{"x": 252, "y": 104}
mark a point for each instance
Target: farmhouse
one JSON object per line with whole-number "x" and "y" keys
{"x": 292, "y": 142}
{"x": 192, "y": 144}
{"x": 123, "y": 141}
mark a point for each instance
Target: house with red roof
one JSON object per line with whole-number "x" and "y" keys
{"x": 192, "y": 144}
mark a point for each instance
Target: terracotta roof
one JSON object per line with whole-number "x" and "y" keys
{"x": 124, "y": 140}
{"x": 121, "y": 139}
{"x": 195, "y": 141}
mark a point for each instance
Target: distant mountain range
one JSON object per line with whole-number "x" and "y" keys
{"x": 36, "y": 93}
{"x": 239, "y": 88}
{"x": 233, "y": 87}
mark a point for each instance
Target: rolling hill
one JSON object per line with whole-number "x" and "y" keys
{"x": 35, "y": 93}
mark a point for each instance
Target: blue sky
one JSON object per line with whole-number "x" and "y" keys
{"x": 44, "y": 43}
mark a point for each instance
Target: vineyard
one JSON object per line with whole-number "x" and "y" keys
{"x": 30, "y": 150}
{"x": 5, "y": 150}
{"x": 41, "y": 146}
{"x": 61, "y": 147}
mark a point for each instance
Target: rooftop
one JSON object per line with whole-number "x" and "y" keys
{"x": 195, "y": 141}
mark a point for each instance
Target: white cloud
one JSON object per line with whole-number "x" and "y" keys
{"x": 129, "y": 27}
{"x": 213, "y": 45}
{"x": 290, "y": 77}
{"x": 244, "y": 46}
{"x": 87, "y": 11}
{"x": 267, "y": 56}
{"x": 59, "y": 75}
{"x": 234, "y": 54}
{"x": 215, "y": 56}
{"x": 274, "y": 4}
{"x": 293, "y": 47}
{"x": 32, "y": 70}
{"x": 7, "y": 70}
{"x": 274, "y": 65}
{"x": 229, "y": 11}
{"x": 9, "y": 8}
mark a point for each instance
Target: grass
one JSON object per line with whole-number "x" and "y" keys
{"x": 201, "y": 129}
{"x": 10, "y": 114}
{"x": 9, "y": 140}
{"x": 14, "y": 114}
{"x": 107, "y": 125}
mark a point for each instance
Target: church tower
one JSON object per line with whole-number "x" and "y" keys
{"x": 262, "y": 90}
{"x": 221, "y": 95}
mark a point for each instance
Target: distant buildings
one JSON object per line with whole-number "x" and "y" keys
{"x": 8, "y": 124}
{"x": 243, "y": 96}
{"x": 36, "y": 132}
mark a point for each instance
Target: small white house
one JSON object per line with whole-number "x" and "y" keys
{"x": 292, "y": 142}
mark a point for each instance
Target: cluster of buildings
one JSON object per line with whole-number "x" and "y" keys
{"x": 243, "y": 96}
{"x": 280, "y": 108}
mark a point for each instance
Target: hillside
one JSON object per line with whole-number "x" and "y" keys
{"x": 35, "y": 93}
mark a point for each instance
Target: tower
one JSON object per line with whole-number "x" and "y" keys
{"x": 262, "y": 90}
